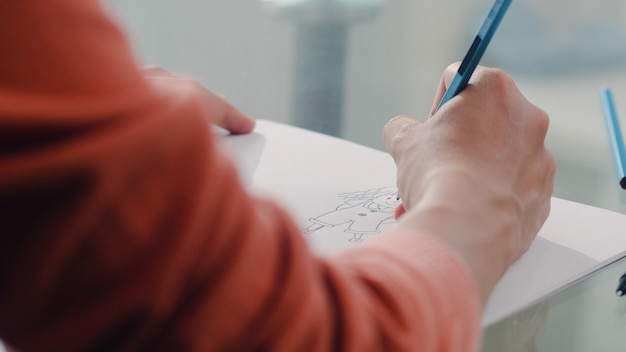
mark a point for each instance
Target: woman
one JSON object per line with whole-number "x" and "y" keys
{"x": 124, "y": 228}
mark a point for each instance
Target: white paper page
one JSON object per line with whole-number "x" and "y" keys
{"x": 312, "y": 175}
{"x": 341, "y": 194}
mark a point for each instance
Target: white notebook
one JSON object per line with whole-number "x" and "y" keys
{"x": 342, "y": 194}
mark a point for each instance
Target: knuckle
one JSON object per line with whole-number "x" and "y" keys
{"x": 552, "y": 166}
{"x": 542, "y": 122}
{"x": 398, "y": 132}
{"x": 501, "y": 79}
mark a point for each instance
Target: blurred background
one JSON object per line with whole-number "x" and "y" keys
{"x": 344, "y": 67}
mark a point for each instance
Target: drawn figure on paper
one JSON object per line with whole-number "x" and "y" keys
{"x": 361, "y": 213}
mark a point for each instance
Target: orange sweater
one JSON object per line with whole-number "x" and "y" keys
{"x": 123, "y": 228}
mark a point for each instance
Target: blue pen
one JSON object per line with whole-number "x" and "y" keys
{"x": 621, "y": 286}
{"x": 615, "y": 134}
{"x": 476, "y": 51}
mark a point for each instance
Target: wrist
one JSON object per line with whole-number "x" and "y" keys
{"x": 478, "y": 226}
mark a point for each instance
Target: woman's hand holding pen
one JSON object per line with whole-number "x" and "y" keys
{"x": 476, "y": 174}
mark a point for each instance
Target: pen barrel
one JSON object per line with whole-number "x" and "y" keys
{"x": 615, "y": 135}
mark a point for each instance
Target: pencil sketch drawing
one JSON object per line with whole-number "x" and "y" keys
{"x": 360, "y": 213}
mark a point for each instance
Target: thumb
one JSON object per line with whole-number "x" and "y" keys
{"x": 446, "y": 79}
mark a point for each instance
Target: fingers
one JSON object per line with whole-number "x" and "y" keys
{"x": 236, "y": 121}
{"x": 218, "y": 110}
{"x": 444, "y": 82}
{"x": 400, "y": 136}
{"x": 396, "y": 129}
{"x": 155, "y": 71}
{"x": 223, "y": 114}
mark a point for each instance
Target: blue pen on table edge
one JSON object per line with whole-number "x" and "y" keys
{"x": 615, "y": 134}
{"x": 617, "y": 149}
{"x": 476, "y": 50}
{"x": 621, "y": 287}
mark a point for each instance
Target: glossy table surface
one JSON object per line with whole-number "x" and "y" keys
{"x": 344, "y": 67}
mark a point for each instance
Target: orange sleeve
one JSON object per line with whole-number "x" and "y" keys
{"x": 123, "y": 228}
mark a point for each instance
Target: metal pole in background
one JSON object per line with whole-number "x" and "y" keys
{"x": 320, "y": 57}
